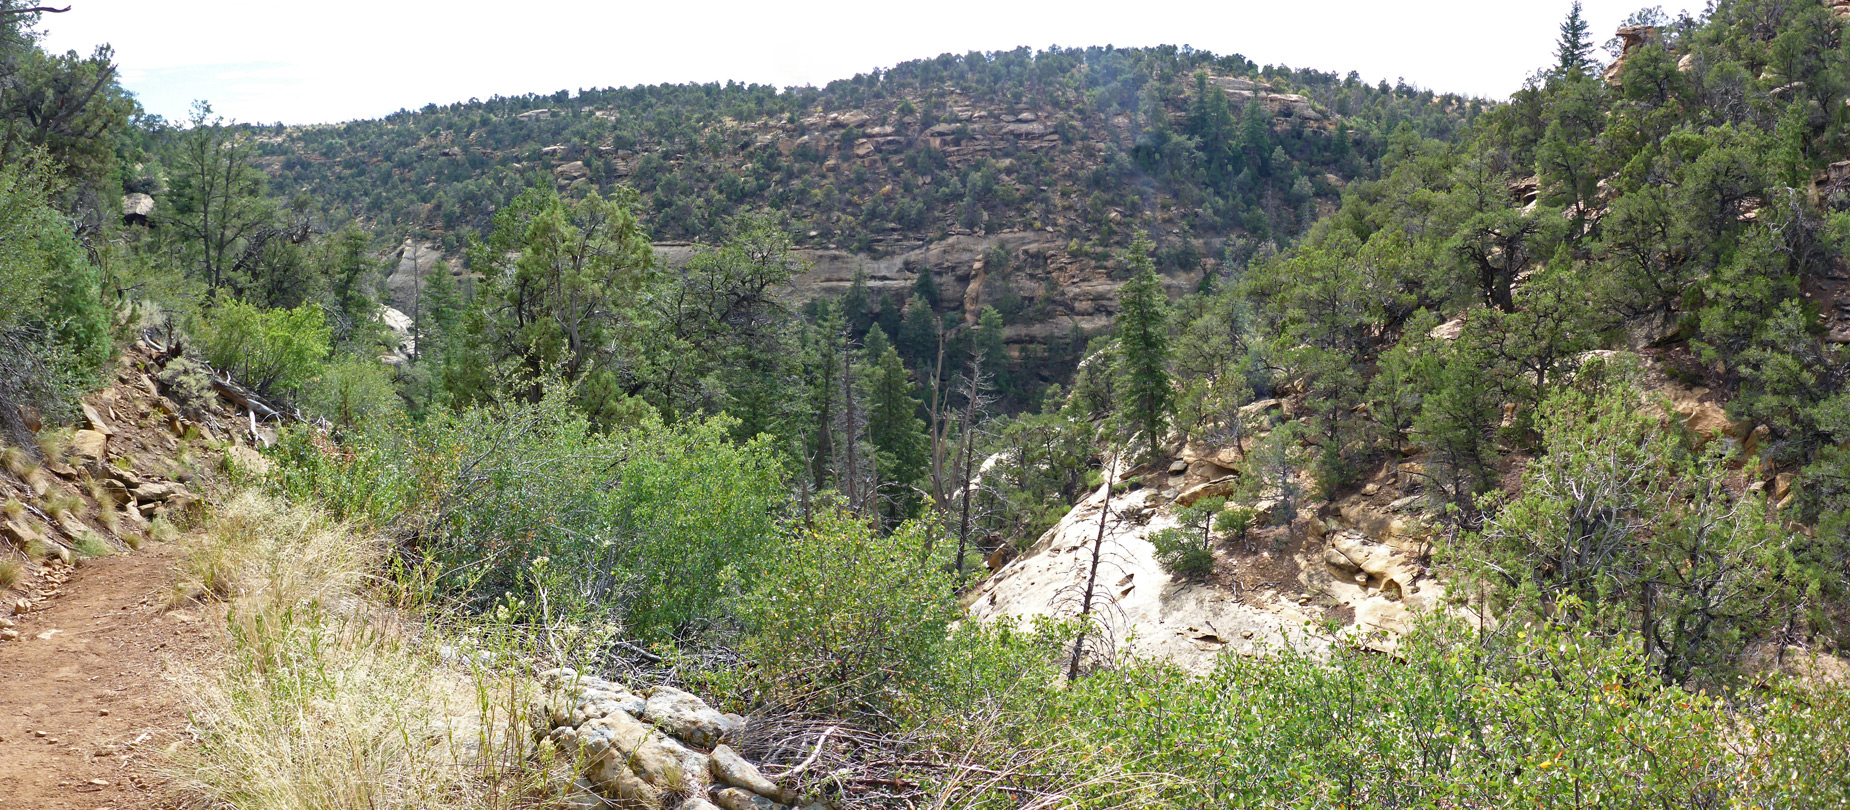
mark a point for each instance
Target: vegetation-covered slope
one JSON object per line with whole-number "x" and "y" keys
{"x": 680, "y": 474}
{"x": 1083, "y": 141}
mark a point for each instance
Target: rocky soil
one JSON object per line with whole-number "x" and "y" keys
{"x": 84, "y": 709}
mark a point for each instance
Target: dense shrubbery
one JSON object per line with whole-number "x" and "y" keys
{"x": 525, "y": 508}
{"x": 54, "y": 328}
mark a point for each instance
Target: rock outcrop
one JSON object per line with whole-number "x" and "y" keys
{"x": 660, "y": 747}
{"x": 1631, "y": 39}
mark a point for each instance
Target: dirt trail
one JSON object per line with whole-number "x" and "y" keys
{"x": 83, "y": 701}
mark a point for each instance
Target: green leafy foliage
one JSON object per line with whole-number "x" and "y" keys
{"x": 273, "y": 351}
{"x": 844, "y": 617}
{"x": 634, "y": 532}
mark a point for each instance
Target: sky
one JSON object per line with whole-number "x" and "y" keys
{"x": 304, "y": 63}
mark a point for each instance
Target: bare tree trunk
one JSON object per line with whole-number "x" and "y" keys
{"x": 850, "y": 432}
{"x": 1098, "y": 550}
{"x": 968, "y": 449}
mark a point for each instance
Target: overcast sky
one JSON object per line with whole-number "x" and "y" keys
{"x": 321, "y": 62}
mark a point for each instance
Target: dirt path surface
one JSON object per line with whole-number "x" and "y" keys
{"x": 83, "y": 701}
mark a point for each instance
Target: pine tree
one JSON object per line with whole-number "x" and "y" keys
{"x": 894, "y": 427}
{"x": 1574, "y": 54}
{"x": 1143, "y": 335}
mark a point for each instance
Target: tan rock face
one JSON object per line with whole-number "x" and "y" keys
{"x": 89, "y": 446}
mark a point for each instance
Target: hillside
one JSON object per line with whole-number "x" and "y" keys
{"x": 1168, "y": 433}
{"x": 1011, "y": 177}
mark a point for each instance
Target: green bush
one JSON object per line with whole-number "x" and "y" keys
{"x": 843, "y": 617}
{"x": 275, "y": 351}
{"x": 54, "y": 329}
{"x": 352, "y": 391}
{"x": 524, "y": 507}
{"x": 1188, "y": 549}
{"x": 1180, "y": 552}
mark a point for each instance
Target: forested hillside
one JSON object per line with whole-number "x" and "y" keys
{"x": 1087, "y": 142}
{"x": 1569, "y": 367}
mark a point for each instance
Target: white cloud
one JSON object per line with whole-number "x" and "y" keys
{"x": 296, "y": 62}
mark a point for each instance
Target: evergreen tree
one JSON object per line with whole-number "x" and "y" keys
{"x": 1142, "y": 327}
{"x": 918, "y": 331}
{"x": 894, "y": 428}
{"x": 1574, "y": 53}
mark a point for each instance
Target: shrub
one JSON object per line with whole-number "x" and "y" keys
{"x": 352, "y": 391}
{"x": 842, "y": 617}
{"x": 635, "y": 530}
{"x": 54, "y": 329}
{"x": 274, "y": 351}
{"x": 1188, "y": 549}
{"x": 1180, "y": 552}
{"x": 89, "y": 545}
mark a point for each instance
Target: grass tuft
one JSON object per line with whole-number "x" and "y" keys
{"x": 91, "y": 545}
{"x": 13, "y": 508}
{"x": 163, "y": 530}
{"x": 17, "y": 461}
{"x": 60, "y": 503}
{"x": 11, "y": 569}
{"x": 53, "y": 443}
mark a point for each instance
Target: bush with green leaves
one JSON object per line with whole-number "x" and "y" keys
{"x": 636, "y": 532}
{"x": 54, "y": 328}
{"x": 272, "y": 351}
{"x": 842, "y": 616}
{"x": 352, "y": 391}
{"x": 1628, "y": 512}
{"x": 1188, "y": 549}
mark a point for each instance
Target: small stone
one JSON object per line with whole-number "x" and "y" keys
{"x": 9, "y": 635}
{"x": 22, "y": 606}
{"x": 103, "y": 713}
{"x": 100, "y": 782}
{"x": 39, "y": 734}
{"x": 5, "y": 623}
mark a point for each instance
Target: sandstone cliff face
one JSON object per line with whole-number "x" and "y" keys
{"x": 1352, "y": 572}
{"x": 1062, "y": 292}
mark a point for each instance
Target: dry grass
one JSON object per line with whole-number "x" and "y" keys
{"x": 326, "y": 701}
{"x": 11, "y": 569}
{"x": 17, "y": 461}
{"x": 59, "y": 503}
{"x": 13, "y": 508}
{"x": 53, "y": 443}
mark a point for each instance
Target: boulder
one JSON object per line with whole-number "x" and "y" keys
{"x": 686, "y": 717}
{"x": 733, "y": 798}
{"x": 572, "y": 171}
{"x": 1261, "y": 407}
{"x": 732, "y": 769}
{"x": 89, "y": 446}
{"x": 1217, "y": 488}
{"x": 633, "y": 762}
{"x": 696, "y": 803}
{"x": 95, "y": 421}
{"x": 1450, "y": 330}
{"x": 159, "y": 492}
{"x": 21, "y": 534}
